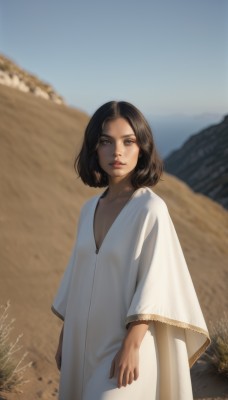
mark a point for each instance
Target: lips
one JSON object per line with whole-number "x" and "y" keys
{"x": 116, "y": 164}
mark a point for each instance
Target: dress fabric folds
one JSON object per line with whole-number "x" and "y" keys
{"x": 139, "y": 273}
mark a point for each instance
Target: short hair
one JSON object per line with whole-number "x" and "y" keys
{"x": 149, "y": 166}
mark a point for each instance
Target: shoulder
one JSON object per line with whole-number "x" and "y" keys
{"x": 87, "y": 211}
{"x": 89, "y": 204}
{"x": 150, "y": 202}
{"x": 153, "y": 210}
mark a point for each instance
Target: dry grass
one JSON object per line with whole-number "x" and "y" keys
{"x": 217, "y": 354}
{"x": 12, "y": 367}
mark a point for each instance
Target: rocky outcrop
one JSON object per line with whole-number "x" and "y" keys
{"x": 202, "y": 162}
{"x": 13, "y": 76}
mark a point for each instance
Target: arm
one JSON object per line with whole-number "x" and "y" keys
{"x": 58, "y": 355}
{"x": 125, "y": 365}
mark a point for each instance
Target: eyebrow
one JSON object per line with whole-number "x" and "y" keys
{"x": 123, "y": 136}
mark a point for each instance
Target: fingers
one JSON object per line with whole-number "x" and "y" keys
{"x": 125, "y": 371}
{"x": 120, "y": 377}
{"x": 136, "y": 374}
{"x": 119, "y": 373}
{"x": 112, "y": 369}
{"x": 130, "y": 378}
{"x": 126, "y": 377}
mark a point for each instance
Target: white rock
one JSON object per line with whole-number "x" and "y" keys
{"x": 23, "y": 87}
{"x": 17, "y": 82}
{"x": 41, "y": 93}
{"x": 5, "y": 79}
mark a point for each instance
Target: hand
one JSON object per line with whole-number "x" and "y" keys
{"x": 125, "y": 365}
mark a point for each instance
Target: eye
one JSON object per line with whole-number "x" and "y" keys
{"x": 129, "y": 142}
{"x": 104, "y": 141}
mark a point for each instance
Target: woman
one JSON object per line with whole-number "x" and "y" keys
{"x": 132, "y": 321}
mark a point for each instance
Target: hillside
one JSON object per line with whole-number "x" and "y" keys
{"x": 12, "y": 75}
{"x": 40, "y": 201}
{"x": 202, "y": 162}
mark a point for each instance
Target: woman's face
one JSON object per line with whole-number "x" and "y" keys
{"x": 118, "y": 150}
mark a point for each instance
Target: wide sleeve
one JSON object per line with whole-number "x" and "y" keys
{"x": 164, "y": 290}
{"x": 60, "y": 301}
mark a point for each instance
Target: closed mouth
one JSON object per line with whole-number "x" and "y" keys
{"x": 116, "y": 163}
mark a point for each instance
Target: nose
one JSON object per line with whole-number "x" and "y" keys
{"x": 117, "y": 149}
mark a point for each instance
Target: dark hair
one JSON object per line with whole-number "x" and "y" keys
{"x": 149, "y": 167}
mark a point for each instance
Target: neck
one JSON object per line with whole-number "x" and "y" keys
{"x": 119, "y": 189}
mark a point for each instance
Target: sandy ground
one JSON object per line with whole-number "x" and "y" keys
{"x": 40, "y": 202}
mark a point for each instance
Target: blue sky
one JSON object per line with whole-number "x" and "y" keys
{"x": 166, "y": 57}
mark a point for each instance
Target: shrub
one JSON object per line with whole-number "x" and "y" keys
{"x": 11, "y": 369}
{"x": 217, "y": 354}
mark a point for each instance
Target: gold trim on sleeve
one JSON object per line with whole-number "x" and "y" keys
{"x": 199, "y": 352}
{"x": 179, "y": 324}
{"x": 57, "y": 313}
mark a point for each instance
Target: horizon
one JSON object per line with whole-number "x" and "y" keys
{"x": 169, "y": 131}
{"x": 167, "y": 59}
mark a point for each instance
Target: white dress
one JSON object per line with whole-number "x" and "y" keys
{"x": 139, "y": 273}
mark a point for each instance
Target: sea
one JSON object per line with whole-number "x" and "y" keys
{"x": 171, "y": 131}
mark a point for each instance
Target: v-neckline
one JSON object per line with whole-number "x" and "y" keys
{"x": 98, "y": 248}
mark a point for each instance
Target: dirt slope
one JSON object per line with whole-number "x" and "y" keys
{"x": 40, "y": 201}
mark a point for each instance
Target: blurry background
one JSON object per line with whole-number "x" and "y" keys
{"x": 170, "y": 59}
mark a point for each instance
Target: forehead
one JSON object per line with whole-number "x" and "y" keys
{"x": 117, "y": 127}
